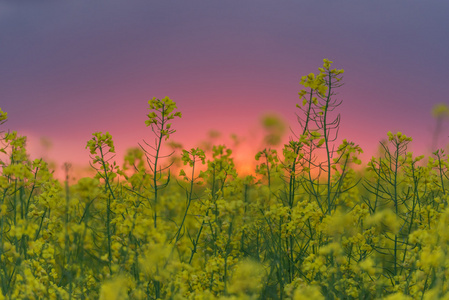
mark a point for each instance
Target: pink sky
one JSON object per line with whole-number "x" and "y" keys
{"x": 70, "y": 69}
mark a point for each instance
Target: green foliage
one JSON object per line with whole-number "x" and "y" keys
{"x": 305, "y": 226}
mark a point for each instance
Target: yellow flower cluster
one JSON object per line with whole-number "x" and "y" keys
{"x": 162, "y": 112}
{"x": 3, "y": 116}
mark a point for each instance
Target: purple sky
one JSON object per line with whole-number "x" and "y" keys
{"x": 70, "y": 68}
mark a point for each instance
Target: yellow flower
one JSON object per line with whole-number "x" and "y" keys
{"x": 367, "y": 265}
{"x": 440, "y": 110}
{"x": 247, "y": 278}
{"x": 327, "y": 63}
{"x": 384, "y": 220}
{"x": 397, "y": 296}
{"x": 307, "y": 292}
{"x": 3, "y": 116}
{"x": 115, "y": 289}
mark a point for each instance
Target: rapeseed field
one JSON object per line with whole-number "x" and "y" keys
{"x": 305, "y": 225}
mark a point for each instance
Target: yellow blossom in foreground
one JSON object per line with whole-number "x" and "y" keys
{"x": 397, "y": 296}
{"x": 307, "y": 292}
{"x": 115, "y": 289}
{"x": 384, "y": 220}
{"x": 247, "y": 278}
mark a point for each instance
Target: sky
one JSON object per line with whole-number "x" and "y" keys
{"x": 71, "y": 68}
